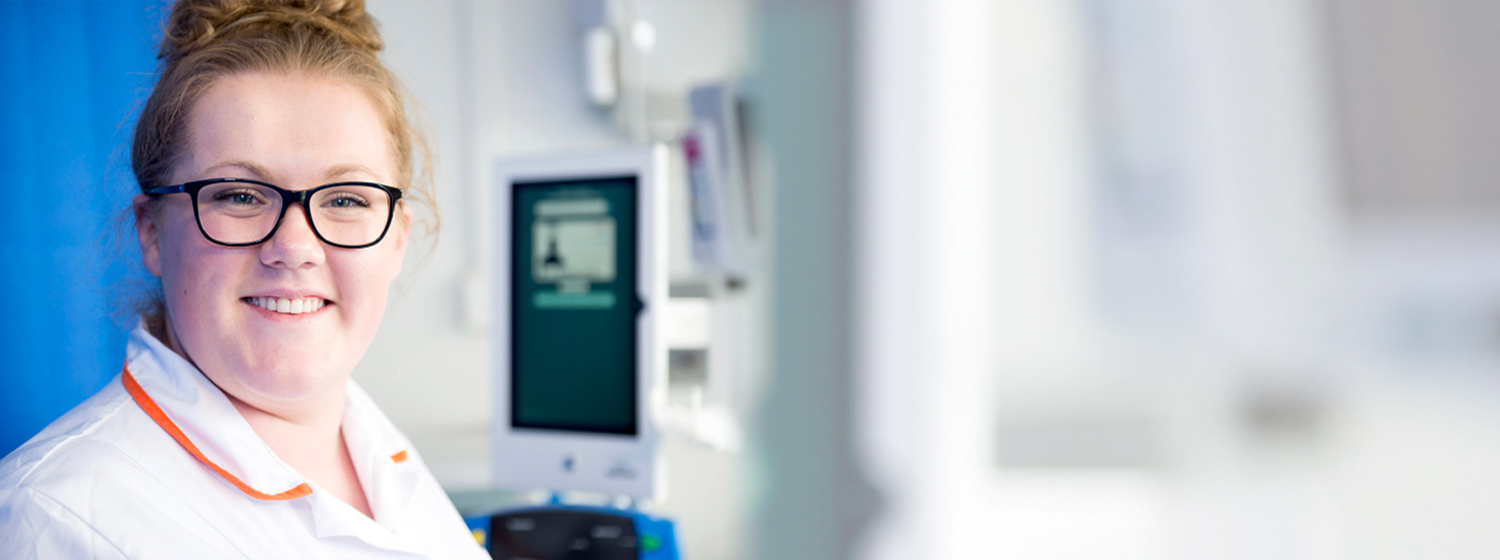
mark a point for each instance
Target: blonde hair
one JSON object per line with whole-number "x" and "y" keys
{"x": 206, "y": 40}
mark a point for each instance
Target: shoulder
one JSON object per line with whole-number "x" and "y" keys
{"x": 37, "y": 526}
{"x": 103, "y": 479}
{"x": 38, "y": 482}
{"x": 38, "y": 522}
{"x": 104, "y": 438}
{"x": 105, "y": 449}
{"x": 82, "y": 436}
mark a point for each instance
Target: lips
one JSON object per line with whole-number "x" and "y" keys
{"x": 289, "y": 306}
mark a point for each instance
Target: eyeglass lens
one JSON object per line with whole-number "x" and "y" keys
{"x": 235, "y": 212}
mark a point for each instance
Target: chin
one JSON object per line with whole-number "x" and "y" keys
{"x": 292, "y": 380}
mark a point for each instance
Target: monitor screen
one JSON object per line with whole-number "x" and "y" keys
{"x": 574, "y": 305}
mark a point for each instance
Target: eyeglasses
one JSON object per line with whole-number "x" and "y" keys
{"x": 244, "y": 212}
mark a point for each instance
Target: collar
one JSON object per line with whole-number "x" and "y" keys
{"x": 197, "y": 414}
{"x": 382, "y": 457}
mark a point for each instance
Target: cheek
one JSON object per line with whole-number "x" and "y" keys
{"x": 365, "y": 277}
{"x": 176, "y": 255}
{"x": 391, "y": 256}
{"x": 191, "y": 267}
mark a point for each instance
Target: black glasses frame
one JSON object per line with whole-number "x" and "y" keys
{"x": 287, "y": 198}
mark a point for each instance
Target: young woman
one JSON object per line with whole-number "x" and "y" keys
{"x": 276, "y": 166}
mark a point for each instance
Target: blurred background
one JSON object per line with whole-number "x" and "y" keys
{"x": 1046, "y": 279}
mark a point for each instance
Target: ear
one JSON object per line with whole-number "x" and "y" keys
{"x": 147, "y": 232}
{"x": 403, "y": 232}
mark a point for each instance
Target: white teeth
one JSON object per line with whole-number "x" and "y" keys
{"x": 288, "y": 306}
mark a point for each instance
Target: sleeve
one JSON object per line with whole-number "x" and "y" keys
{"x": 33, "y": 526}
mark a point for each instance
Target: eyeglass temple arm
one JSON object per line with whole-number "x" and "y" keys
{"x": 170, "y": 189}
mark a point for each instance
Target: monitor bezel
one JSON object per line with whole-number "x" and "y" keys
{"x": 537, "y": 458}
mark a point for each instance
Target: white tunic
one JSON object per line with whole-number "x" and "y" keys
{"x": 109, "y": 480}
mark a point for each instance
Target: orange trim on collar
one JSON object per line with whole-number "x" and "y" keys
{"x": 400, "y": 456}
{"x": 155, "y": 412}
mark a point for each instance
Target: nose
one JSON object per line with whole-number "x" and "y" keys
{"x": 294, "y": 245}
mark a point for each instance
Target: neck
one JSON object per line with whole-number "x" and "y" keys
{"x": 307, "y": 438}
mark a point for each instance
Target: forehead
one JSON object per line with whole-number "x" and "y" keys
{"x": 295, "y": 128}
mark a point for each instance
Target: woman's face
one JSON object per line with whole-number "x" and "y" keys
{"x": 296, "y": 132}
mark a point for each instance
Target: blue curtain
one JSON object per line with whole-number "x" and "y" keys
{"x": 72, "y": 74}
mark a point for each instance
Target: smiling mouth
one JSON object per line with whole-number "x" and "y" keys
{"x": 287, "y": 306}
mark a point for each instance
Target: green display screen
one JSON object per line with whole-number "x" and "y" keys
{"x": 573, "y": 305}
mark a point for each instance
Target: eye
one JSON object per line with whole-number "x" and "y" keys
{"x": 238, "y": 196}
{"x": 347, "y": 200}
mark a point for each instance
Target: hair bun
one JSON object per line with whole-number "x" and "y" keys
{"x": 193, "y": 24}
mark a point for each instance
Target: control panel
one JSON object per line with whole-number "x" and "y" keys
{"x": 570, "y": 532}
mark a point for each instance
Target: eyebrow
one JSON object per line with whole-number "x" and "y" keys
{"x": 254, "y": 169}
{"x": 262, "y": 174}
{"x": 343, "y": 169}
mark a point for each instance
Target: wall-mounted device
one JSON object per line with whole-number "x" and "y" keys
{"x": 716, "y": 150}
{"x": 580, "y": 280}
{"x": 601, "y": 66}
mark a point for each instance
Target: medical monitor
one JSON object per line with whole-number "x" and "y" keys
{"x": 580, "y": 273}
